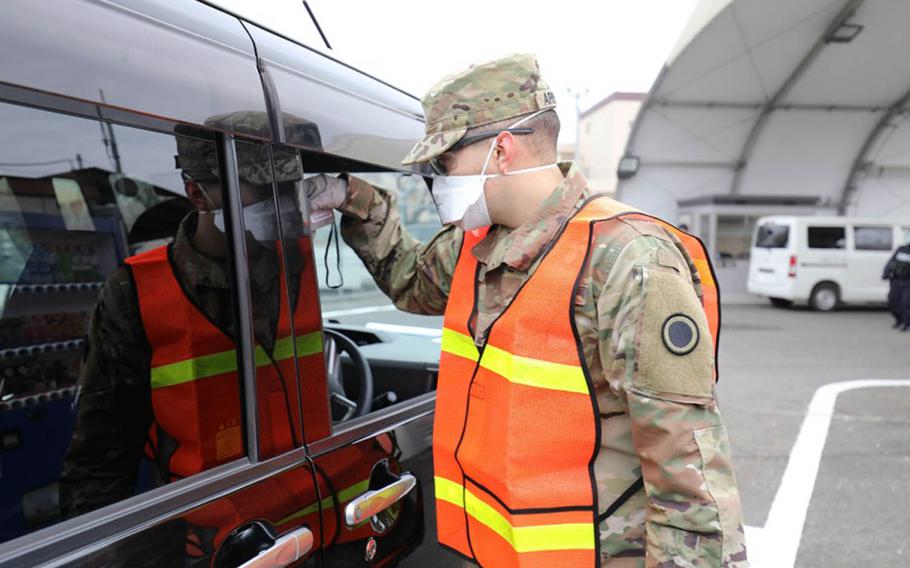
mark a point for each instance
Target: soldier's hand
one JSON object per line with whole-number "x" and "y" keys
{"x": 325, "y": 193}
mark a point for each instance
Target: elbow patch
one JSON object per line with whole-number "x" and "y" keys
{"x": 675, "y": 352}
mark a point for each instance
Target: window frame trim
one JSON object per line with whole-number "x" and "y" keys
{"x": 238, "y": 263}
{"x": 373, "y": 424}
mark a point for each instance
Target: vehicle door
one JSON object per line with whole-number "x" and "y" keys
{"x": 824, "y": 258}
{"x": 177, "y": 458}
{"x": 872, "y": 247}
{"x": 372, "y": 449}
{"x": 371, "y": 441}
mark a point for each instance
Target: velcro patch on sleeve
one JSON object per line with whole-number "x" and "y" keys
{"x": 675, "y": 354}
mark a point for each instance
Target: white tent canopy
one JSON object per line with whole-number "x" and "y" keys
{"x": 781, "y": 97}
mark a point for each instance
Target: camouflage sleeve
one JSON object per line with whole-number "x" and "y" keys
{"x": 417, "y": 277}
{"x": 114, "y": 405}
{"x": 658, "y": 357}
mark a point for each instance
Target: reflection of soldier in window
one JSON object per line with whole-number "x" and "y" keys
{"x": 159, "y": 377}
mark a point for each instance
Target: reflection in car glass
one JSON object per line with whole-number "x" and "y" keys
{"x": 92, "y": 218}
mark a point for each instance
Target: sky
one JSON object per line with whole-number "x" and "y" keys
{"x": 590, "y": 48}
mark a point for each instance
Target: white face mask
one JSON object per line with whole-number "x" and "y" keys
{"x": 259, "y": 219}
{"x": 460, "y": 200}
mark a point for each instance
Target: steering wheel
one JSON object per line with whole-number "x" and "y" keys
{"x": 343, "y": 408}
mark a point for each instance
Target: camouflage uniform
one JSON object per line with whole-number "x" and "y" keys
{"x": 658, "y": 412}
{"x": 114, "y": 405}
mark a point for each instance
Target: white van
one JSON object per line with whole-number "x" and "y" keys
{"x": 825, "y": 261}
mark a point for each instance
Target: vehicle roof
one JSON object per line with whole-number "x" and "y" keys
{"x": 321, "y": 49}
{"x": 205, "y": 63}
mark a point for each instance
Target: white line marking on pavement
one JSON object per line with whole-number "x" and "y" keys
{"x": 358, "y": 311}
{"x": 775, "y": 545}
{"x": 406, "y": 329}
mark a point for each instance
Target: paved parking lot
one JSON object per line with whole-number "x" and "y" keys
{"x": 773, "y": 361}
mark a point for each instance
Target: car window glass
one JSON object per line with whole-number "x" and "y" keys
{"x": 290, "y": 368}
{"x": 827, "y": 238}
{"x": 107, "y": 302}
{"x": 279, "y": 413}
{"x": 402, "y": 349}
{"x": 772, "y": 235}
{"x": 873, "y": 238}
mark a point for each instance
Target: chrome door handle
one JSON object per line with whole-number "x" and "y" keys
{"x": 287, "y": 549}
{"x": 372, "y": 503}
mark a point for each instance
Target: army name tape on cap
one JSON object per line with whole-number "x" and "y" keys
{"x": 680, "y": 334}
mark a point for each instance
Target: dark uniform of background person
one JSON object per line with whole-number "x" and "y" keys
{"x": 115, "y": 399}
{"x": 897, "y": 271}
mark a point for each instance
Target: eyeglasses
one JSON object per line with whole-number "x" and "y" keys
{"x": 439, "y": 163}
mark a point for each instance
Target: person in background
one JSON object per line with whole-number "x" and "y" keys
{"x": 897, "y": 272}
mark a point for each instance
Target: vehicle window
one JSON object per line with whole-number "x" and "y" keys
{"x": 280, "y": 278}
{"x": 873, "y": 238}
{"x": 401, "y": 349}
{"x": 827, "y": 238}
{"x": 772, "y": 235}
{"x": 906, "y": 238}
{"x": 285, "y": 301}
{"x": 114, "y": 376}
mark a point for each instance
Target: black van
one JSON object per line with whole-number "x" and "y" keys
{"x": 96, "y": 98}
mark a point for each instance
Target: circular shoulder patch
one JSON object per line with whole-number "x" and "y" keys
{"x": 680, "y": 334}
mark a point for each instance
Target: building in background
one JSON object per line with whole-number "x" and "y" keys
{"x": 565, "y": 152}
{"x": 603, "y": 131}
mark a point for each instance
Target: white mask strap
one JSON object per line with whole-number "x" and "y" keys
{"x": 534, "y": 169}
{"x": 493, "y": 146}
{"x": 207, "y": 198}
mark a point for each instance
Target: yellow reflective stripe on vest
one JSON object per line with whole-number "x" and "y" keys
{"x": 515, "y": 368}
{"x": 308, "y": 344}
{"x": 226, "y": 361}
{"x": 448, "y": 490}
{"x": 459, "y": 344}
{"x": 536, "y": 538}
{"x": 534, "y": 372}
{"x": 343, "y": 496}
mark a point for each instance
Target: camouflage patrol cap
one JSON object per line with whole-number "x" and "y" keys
{"x": 499, "y": 90}
{"x": 197, "y": 158}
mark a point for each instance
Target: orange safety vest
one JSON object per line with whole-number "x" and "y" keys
{"x": 198, "y": 419}
{"x": 516, "y": 427}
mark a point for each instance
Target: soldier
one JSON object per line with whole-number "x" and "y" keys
{"x": 576, "y": 419}
{"x": 159, "y": 376}
{"x": 897, "y": 272}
